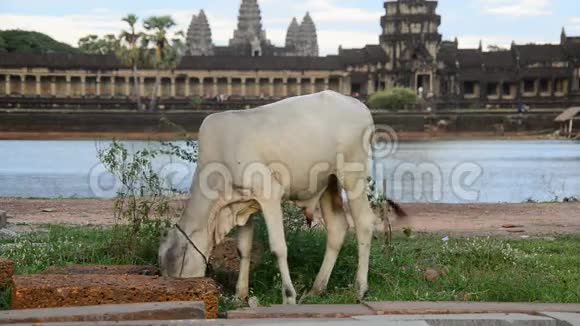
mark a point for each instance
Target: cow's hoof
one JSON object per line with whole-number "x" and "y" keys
{"x": 311, "y": 294}
{"x": 289, "y": 301}
{"x": 289, "y": 297}
{"x": 316, "y": 292}
{"x": 362, "y": 293}
{"x": 243, "y": 296}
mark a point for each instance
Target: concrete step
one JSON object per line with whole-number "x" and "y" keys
{"x": 397, "y": 308}
{"x": 564, "y": 318}
{"x": 302, "y": 311}
{"x": 424, "y": 307}
{"x": 374, "y": 320}
{"x": 115, "y": 313}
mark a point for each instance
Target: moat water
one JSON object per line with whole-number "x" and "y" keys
{"x": 458, "y": 171}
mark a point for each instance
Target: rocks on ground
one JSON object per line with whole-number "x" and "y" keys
{"x": 6, "y": 272}
{"x": 433, "y": 274}
{"x": 226, "y": 262}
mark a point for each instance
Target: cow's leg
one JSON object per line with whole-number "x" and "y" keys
{"x": 272, "y": 210}
{"x": 364, "y": 219}
{"x": 336, "y": 226}
{"x": 245, "y": 240}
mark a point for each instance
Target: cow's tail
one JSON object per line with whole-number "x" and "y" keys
{"x": 399, "y": 211}
{"x": 335, "y": 192}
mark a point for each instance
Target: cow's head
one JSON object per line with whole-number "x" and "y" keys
{"x": 178, "y": 255}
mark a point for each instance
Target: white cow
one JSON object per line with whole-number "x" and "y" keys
{"x": 301, "y": 149}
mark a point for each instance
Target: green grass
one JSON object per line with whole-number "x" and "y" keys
{"x": 479, "y": 269}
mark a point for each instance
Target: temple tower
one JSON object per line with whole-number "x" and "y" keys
{"x": 411, "y": 41}
{"x": 563, "y": 36}
{"x": 249, "y": 35}
{"x": 199, "y": 40}
{"x": 293, "y": 34}
{"x": 307, "y": 37}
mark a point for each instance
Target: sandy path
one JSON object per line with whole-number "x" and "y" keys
{"x": 535, "y": 219}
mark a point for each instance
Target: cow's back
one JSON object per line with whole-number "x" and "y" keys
{"x": 299, "y": 132}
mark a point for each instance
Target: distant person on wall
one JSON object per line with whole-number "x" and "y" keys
{"x": 523, "y": 108}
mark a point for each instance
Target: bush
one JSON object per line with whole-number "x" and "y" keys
{"x": 393, "y": 100}
{"x": 197, "y": 102}
{"x": 143, "y": 198}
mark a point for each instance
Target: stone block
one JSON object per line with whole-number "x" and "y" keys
{"x": 104, "y": 270}
{"x": 56, "y": 291}
{"x": 6, "y": 272}
{"x": 122, "y": 312}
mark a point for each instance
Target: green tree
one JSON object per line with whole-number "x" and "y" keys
{"x": 393, "y": 100}
{"x": 133, "y": 54}
{"x": 111, "y": 43}
{"x": 2, "y": 44}
{"x": 93, "y": 44}
{"x": 88, "y": 44}
{"x": 158, "y": 28}
{"x": 32, "y": 42}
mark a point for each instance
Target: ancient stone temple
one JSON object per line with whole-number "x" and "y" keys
{"x": 249, "y": 38}
{"x": 411, "y": 41}
{"x": 293, "y": 34}
{"x": 410, "y": 53}
{"x": 301, "y": 39}
{"x": 199, "y": 36}
{"x": 307, "y": 44}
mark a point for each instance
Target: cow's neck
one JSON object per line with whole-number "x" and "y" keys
{"x": 195, "y": 217}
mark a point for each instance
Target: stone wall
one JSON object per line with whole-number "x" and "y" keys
{"x": 135, "y": 122}
{"x": 48, "y": 83}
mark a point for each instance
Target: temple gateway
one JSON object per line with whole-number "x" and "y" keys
{"x": 410, "y": 53}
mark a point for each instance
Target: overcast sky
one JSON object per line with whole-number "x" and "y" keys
{"x": 350, "y": 23}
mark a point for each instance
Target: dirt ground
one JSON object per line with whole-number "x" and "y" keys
{"x": 485, "y": 219}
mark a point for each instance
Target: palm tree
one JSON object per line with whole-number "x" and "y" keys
{"x": 133, "y": 55}
{"x": 158, "y": 27}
